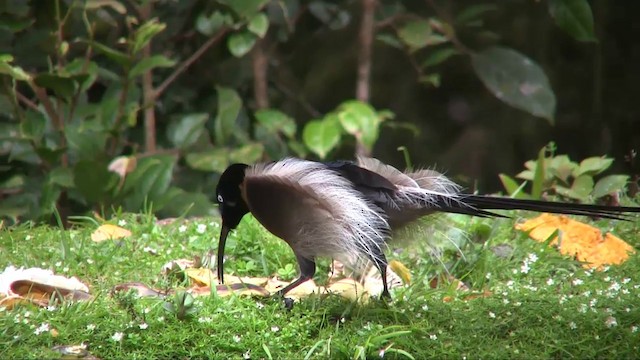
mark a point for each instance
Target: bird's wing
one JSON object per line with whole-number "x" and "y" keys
{"x": 284, "y": 207}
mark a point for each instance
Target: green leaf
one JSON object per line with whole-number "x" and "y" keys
{"x": 593, "y": 166}
{"x": 117, "y": 6}
{"x": 259, "y": 25}
{"x": 86, "y": 140}
{"x": 81, "y": 67}
{"x": 439, "y": 56}
{"x": 512, "y": 188}
{"x": 473, "y": 12}
{"x": 415, "y": 33}
{"x": 118, "y": 56}
{"x": 539, "y": 176}
{"x": 145, "y": 33}
{"x": 431, "y": 79}
{"x": 360, "y": 120}
{"x": 574, "y": 17}
{"x": 275, "y": 121}
{"x": 15, "y": 72}
{"x": 34, "y": 125}
{"x": 62, "y": 176}
{"x": 562, "y": 167}
{"x": 208, "y": 25}
{"x": 321, "y": 136}
{"x": 149, "y": 63}
{"x": 92, "y": 178}
{"x": 609, "y": 185}
{"x": 390, "y": 40}
{"x": 241, "y": 43}
{"x": 229, "y": 105}
{"x": 247, "y": 154}
{"x": 63, "y": 86}
{"x": 185, "y": 132}
{"x": 582, "y": 187}
{"x": 245, "y": 8}
{"x": 516, "y": 80}
{"x": 215, "y": 160}
{"x": 148, "y": 182}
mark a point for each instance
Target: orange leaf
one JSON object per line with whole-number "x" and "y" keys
{"x": 109, "y": 232}
{"x": 583, "y": 241}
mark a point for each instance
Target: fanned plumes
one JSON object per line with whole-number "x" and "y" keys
{"x": 358, "y": 228}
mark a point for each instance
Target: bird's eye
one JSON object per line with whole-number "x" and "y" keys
{"x": 220, "y": 199}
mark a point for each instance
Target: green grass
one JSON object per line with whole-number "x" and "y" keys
{"x": 542, "y": 305}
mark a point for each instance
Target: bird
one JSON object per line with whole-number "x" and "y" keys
{"x": 349, "y": 210}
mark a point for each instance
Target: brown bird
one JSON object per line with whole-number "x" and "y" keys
{"x": 349, "y": 211}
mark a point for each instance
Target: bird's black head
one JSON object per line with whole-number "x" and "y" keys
{"x": 231, "y": 205}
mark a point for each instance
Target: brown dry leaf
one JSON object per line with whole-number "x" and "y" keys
{"x": 583, "y": 241}
{"x": 444, "y": 280}
{"x": 38, "y": 286}
{"x": 109, "y": 232}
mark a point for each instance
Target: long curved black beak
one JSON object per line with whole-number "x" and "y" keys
{"x": 223, "y": 239}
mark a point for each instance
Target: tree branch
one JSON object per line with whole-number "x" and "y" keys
{"x": 260, "y": 63}
{"x": 185, "y": 64}
{"x": 365, "y": 39}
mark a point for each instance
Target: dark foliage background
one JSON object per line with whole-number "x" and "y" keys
{"x": 167, "y": 93}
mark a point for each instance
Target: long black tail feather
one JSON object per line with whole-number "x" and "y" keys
{"x": 478, "y": 204}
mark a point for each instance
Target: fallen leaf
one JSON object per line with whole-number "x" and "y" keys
{"x": 38, "y": 286}
{"x": 109, "y": 232}
{"x": 585, "y": 242}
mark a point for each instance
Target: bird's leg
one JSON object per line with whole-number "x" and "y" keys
{"x": 380, "y": 261}
{"x": 307, "y": 271}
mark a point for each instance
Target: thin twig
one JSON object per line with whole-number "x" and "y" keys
{"x": 449, "y": 33}
{"x": 185, "y": 64}
{"x": 25, "y": 100}
{"x": 260, "y": 63}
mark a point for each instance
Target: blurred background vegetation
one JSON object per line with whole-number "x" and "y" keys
{"x": 130, "y": 105}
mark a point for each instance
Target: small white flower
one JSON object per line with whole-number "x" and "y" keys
{"x": 274, "y": 328}
{"x": 122, "y": 222}
{"x": 562, "y": 299}
{"x": 611, "y": 322}
{"x": 505, "y": 301}
{"x": 117, "y": 336}
{"x": 510, "y": 283}
{"x": 381, "y": 353}
{"x": 65, "y": 269}
{"x": 577, "y": 282}
{"x": 573, "y": 326}
{"x": 260, "y": 305}
{"x": 517, "y": 303}
{"x": 89, "y": 261}
{"x": 626, "y": 280}
{"x": 593, "y": 302}
{"x": 607, "y": 278}
{"x": 91, "y": 327}
{"x": 42, "y": 328}
{"x": 492, "y": 315}
{"x": 182, "y": 228}
{"x": 583, "y": 308}
{"x": 51, "y": 308}
{"x": 532, "y": 258}
{"x": 525, "y": 268}
{"x": 247, "y": 355}
{"x": 237, "y": 338}
{"x": 160, "y": 318}
{"x": 143, "y": 326}
{"x": 634, "y": 329}
{"x": 488, "y": 276}
{"x": 433, "y": 337}
{"x": 615, "y": 286}
{"x": 201, "y": 229}
{"x": 550, "y": 281}
{"x": 425, "y": 307}
{"x": 28, "y": 237}
{"x": 59, "y": 263}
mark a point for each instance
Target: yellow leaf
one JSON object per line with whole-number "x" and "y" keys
{"x": 401, "y": 270}
{"x": 109, "y": 232}
{"x": 583, "y": 241}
